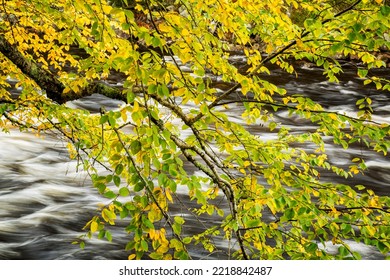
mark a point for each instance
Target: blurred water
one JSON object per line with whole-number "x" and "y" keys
{"x": 44, "y": 202}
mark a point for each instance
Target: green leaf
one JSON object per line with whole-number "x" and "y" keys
{"x": 343, "y": 251}
{"x": 144, "y": 245}
{"x": 109, "y": 178}
{"x": 156, "y": 42}
{"x": 252, "y": 223}
{"x": 176, "y": 228}
{"x": 139, "y": 186}
{"x": 181, "y": 255}
{"x": 163, "y": 90}
{"x": 135, "y": 147}
{"x": 110, "y": 194}
{"x": 124, "y": 191}
{"x": 187, "y": 240}
{"x": 112, "y": 121}
{"x": 117, "y": 180}
{"x": 173, "y": 170}
{"x": 101, "y": 187}
{"x": 360, "y": 101}
{"x": 152, "y": 89}
{"x": 179, "y": 220}
{"x": 119, "y": 169}
{"x": 101, "y": 234}
{"x": 130, "y": 97}
{"x": 385, "y": 10}
{"x": 311, "y": 247}
{"x": 166, "y": 156}
{"x": 108, "y": 236}
{"x": 362, "y": 72}
{"x": 172, "y": 186}
{"x": 147, "y": 223}
{"x": 204, "y": 109}
{"x": 103, "y": 119}
{"x": 357, "y": 26}
{"x": 156, "y": 256}
{"x": 272, "y": 126}
{"x": 289, "y": 214}
{"x": 301, "y": 211}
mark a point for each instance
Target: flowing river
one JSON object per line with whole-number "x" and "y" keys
{"x": 45, "y": 202}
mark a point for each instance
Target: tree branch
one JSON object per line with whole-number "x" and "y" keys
{"x": 267, "y": 59}
{"x": 49, "y": 82}
{"x": 46, "y": 80}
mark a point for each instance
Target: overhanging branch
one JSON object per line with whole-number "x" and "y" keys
{"x": 45, "y": 80}
{"x": 49, "y": 82}
{"x": 277, "y": 53}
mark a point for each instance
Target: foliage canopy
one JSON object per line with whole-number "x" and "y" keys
{"x": 173, "y": 121}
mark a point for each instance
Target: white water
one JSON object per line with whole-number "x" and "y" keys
{"x": 44, "y": 202}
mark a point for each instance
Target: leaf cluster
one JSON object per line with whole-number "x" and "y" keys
{"x": 174, "y": 144}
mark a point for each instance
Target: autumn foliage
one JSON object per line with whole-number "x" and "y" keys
{"x": 173, "y": 134}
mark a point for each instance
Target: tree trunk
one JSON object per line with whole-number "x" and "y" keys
{"x": 48, "y": 82}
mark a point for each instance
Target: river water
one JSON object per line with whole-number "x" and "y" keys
{"x": 45, "y": 202}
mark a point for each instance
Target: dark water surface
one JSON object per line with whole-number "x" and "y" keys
{"x": 44, "y": 202}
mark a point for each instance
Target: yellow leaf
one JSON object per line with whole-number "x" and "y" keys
{"x": 228, "y": 147}
{"x": 94, "y": 226}
{"x": 273, "y": 225}
{"x": 135, "y": 107}
{"x": 108, "y": 216}
{"x": 153, "y": 234}
{"x": 371, "y": 230}
{"x": 175, "y": 19}
{"x": 124, "y": 115}
{"x": 168, "y": 195}
{"x": 185, "y": 32}
{"x": 373, "y": 202}
{"x": 164, "y": 27}
{"x": 107, "y": 9}
{"x": 354, "y": 169}
{"x": 132, "y": 257}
